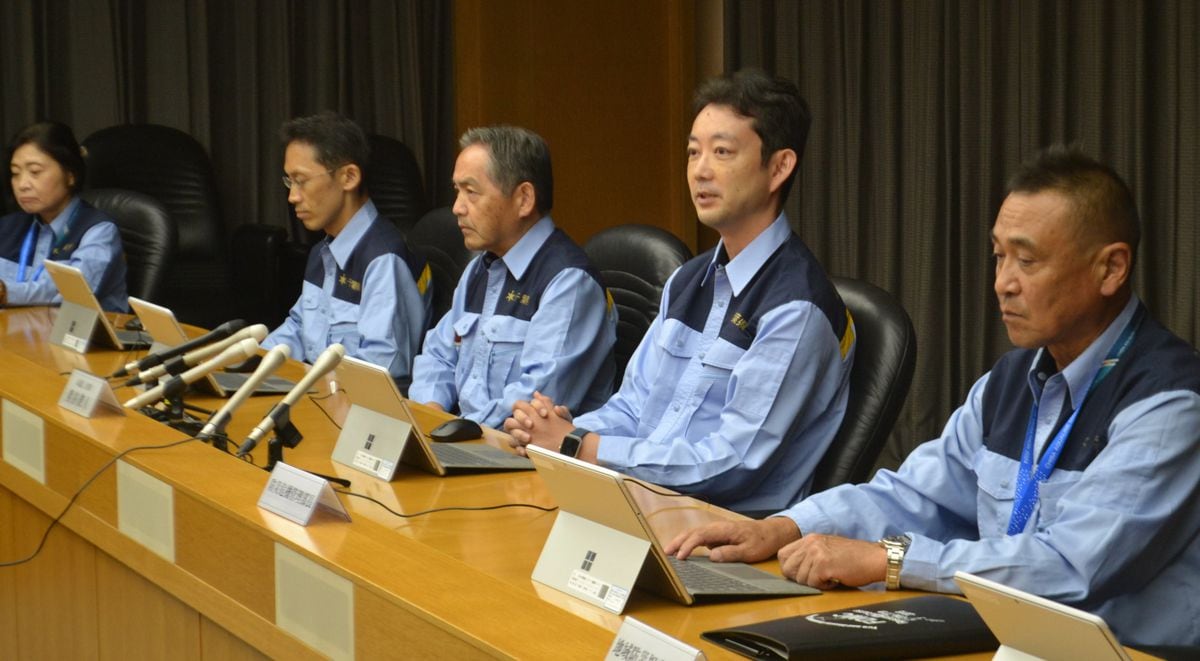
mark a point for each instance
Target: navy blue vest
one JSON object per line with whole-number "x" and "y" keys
{"x": 13, "y": 228}
{"x": 1156, "y": 362}
{"x": 381, "y": 238}
{"x": 791, "y": 273}
{"x": 520, "y": 298}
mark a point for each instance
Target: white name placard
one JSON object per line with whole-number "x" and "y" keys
{"x": 85, "y": 392}
{"x": 638, "y": 641}
{"x": 295, "y": 495}
{"x": 75, "y": 343}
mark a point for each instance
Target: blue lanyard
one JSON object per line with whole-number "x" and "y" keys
{"x": 27, "y": 246}
{"x": 1026, "y": 495}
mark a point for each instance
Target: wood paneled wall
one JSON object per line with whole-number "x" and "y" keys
{"x": 607, "y": 83}
{"x": 76, "y": 602}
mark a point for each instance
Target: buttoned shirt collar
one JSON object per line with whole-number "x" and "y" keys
{"x": 741, "y": 269}
{"x": 1080, "y": 372}
{"x": 519, "y": 257}
{"x": 341, "y": 245}
{"x": 59, "y": 224}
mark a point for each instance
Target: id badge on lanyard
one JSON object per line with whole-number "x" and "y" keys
{"x": 27, "y": 246}
{"x": 1026, "y": 495}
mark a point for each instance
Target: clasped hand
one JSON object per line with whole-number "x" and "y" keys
{"x": 538, "y": 421}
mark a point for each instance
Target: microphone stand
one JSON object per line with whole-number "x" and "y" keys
{"x": 286, "y": 435}
{"x": 174, "y": 415}
{"x": 219, "y": 441}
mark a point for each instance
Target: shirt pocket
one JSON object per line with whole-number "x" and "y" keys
{"x": 347, "y": 335}
{"x": 716, "y": 365}
{"x": 712, "y": 390}
{"x": 310, "y": 303}
{"x": 464, "y": 336}
{"x": 343, "y": 324}
{"x": 1051, "y": 492}
{"x": 678, "y": 340}
{"x": 753, "y": 390}
{"x": 674, "y": 344}
{"x": 506, "y": 337}
{"x": 996, "y": 477}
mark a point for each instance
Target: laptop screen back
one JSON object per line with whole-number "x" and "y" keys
{"x": 592, "y": 492}
{"x": 1036, "y": 626}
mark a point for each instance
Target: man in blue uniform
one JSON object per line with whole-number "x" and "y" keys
{"x": 741, "y": 382}
{"x": 529, "y": 313}
{"x": 362, "y": 287}
{"x": 1072, "y": 470}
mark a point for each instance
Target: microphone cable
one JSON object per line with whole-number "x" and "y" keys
{"x": 445, "y": 509}
{"x": 87, "y": 483}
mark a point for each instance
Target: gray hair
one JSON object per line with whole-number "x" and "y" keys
{"x": 517, "y": 155}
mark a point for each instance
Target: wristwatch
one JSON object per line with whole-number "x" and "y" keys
{"x": 896, "y": 546}
{"x": 573, "y": 442}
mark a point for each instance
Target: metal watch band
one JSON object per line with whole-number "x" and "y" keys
{"x": 895, "y": 547}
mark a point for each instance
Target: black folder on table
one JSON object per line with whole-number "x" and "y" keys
{"x": 930, "y": 625}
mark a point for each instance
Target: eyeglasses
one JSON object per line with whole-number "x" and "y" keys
{"x": 290, "y": 183}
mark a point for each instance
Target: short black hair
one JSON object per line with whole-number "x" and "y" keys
{"x": 1103, "y": 204}
{"x": 57, "y": 141}
{"x": 336, "y": 139}
{"x": 517, "y": 155}
{"x": 781, "y": 116}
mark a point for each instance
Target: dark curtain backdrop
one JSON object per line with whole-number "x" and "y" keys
{"x": 922, "y": 109}
{"x": 229, "y": 72}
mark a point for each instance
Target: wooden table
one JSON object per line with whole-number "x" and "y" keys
{"x": 449, "y": 584}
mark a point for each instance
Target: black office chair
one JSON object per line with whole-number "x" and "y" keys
{"x": 885, "y": 356}
{"x": 173, "y": 168}
{"x": 394, "y": 182}
{"x": 634, "y": 262}
{"x": 436, "y": 235}
{"x": 147, "y": 234}
{"x": 261, "y": 254}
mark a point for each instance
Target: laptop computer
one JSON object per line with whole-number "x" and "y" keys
{"x": 602, "y": 544}
{"x": 380, "y": 427}
{"x": 166, "y": 332}
{"x": 81, "y": 320}
{"x": 1029, "y": 626}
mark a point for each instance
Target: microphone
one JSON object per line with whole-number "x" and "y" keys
{"x": 271, "y": 362}
{"x": 324, "y": 363}
{"x": 219, "y": 333}
{"x": 257, "y": 332}
{"x": 240, "y": 351}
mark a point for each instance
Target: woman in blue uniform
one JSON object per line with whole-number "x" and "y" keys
{"x": 47, "y": 168}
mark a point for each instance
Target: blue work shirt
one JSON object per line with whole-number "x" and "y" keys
{"x": 362, "y": 289}
{"x": 1115, "y": 528}
{"x": 536, "y": 318}
{"x": 97, "y": 253}
{"x": 741, "y": 381}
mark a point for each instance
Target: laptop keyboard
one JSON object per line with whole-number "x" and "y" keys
{"x": 133, "y": 340}
{"x": 701, "y": 579}
{"x": 456, "y": 456}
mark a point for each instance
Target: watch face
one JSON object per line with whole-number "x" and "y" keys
{"x": 570, "y": 446}
{"x": 900, "y": 540}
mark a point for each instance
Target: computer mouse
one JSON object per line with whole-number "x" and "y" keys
{"x": 458, "y": 429}
{"x": 134, "y": 324}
